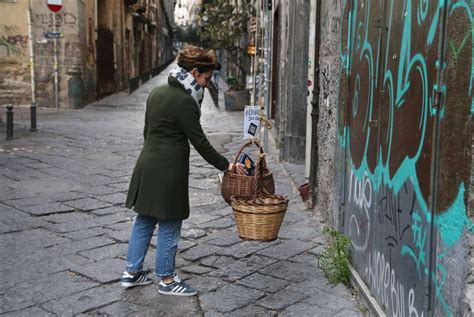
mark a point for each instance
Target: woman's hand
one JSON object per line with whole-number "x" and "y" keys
{"x": 239, "y": 168}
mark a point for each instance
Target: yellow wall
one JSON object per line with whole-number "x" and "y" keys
{"x": 14, "y": 31}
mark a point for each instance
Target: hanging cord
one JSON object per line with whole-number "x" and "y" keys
{"x": 266, "y": 122}
{"x": 259, "y": 172}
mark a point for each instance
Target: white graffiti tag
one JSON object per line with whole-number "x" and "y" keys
{"x": 360, "y": 195}
{"x": 391, "y": 292}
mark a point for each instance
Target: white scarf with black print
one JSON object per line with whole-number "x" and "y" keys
{"x": 189, "y": 82}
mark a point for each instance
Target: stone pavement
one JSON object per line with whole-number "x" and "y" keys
{"x": 64, "y": 230}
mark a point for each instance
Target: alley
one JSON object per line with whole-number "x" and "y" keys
{"x": 64, "y": 230}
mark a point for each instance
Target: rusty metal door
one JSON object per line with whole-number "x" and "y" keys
{"x": 105, "y": 62}
{"x": 387, "y": 133}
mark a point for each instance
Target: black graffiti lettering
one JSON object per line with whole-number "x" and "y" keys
{"x": 395, "y": 211}
{"x": 62, "y": 19}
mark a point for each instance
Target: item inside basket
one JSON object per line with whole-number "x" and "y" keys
{"x": 247, "y": 162}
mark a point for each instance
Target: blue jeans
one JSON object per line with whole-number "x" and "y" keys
{"x": 167, "y": 240}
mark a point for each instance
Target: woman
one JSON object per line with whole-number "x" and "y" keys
{"x": 159, "y": 186}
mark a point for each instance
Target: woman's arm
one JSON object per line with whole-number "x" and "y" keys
{"x": 188, "y": 120}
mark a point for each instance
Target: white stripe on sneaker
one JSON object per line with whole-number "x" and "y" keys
{"x": 177, "y": 289}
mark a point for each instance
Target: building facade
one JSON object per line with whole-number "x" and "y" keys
{"x": 289, "y": 76}
{"x": 391, "y": 151}
{"x": 97, "y": 47}
{"x": 15, "y": 80}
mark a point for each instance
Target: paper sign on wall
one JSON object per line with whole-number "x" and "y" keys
{"x": 251, "y": 121}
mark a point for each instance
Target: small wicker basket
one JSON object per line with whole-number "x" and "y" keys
{"x": 234, "y": 184}
{"x": 259, "y": 218}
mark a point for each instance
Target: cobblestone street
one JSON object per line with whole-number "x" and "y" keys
{"x": 64, "y": 230}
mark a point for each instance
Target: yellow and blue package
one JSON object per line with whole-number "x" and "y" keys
{"x": 247, "y": 162}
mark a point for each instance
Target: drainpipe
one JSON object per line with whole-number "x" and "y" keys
{"x": 309, "y": 108}
{"x": 428, "y": 305}
{"x": 32, "y": 69}
{"x": 267, "y": 62}
{"x": 315, "y": 105}
{"x": 124, "y": 78}
{"x": 96, "y": 20}
{"x": 255, "y": 56}
{"x": 96, "y": 36}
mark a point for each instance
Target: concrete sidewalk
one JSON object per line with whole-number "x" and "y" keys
{"x": 64, "y": 230}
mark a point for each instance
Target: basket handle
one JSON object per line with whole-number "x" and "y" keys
{"x": 258, "y": 176}
{"x": 252, "y": 141}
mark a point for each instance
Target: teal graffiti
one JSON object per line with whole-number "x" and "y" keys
{"x": 367, "y": 53}
{"x": 358, "y": 35}
{"x": 408, "y": 61}
{"x": 453, "y": 222}
{"x": 434, "y": 23}
{"x": 422, "y": 11}
{"x": 419, "y": 241}
{"x": 450, "y": 224}
{"x": 355, "y": 101}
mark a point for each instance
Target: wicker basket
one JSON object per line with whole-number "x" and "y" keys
{"x": 259, "y": 218}
{"x": 234, "y": 184}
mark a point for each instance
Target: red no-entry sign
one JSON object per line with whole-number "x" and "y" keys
{"x": 55, "y": 5}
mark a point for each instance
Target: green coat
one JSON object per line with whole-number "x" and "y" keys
{"x": 159, "y": 184}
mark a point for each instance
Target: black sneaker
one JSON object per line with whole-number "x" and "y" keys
{"x": 129, "y": 280}
{"x": 176, "y": 288}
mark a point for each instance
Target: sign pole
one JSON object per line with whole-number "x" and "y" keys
{"x": 55, "y": 6}
{"x": 32, "y": 72}
{"x": 55, "y": 66}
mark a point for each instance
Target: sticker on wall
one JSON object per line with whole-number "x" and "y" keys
{"x": 251, "y": 121}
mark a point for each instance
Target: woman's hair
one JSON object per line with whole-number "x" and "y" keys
{"x": 191, "y": 57}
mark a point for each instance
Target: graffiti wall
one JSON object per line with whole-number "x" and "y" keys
{"x": 14, "y": 55}
{"x": 404, "y": 124}
{"x": 69, "y": 50}
{"x": 13, "y": 43}
{"x": 15, "y": 70}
